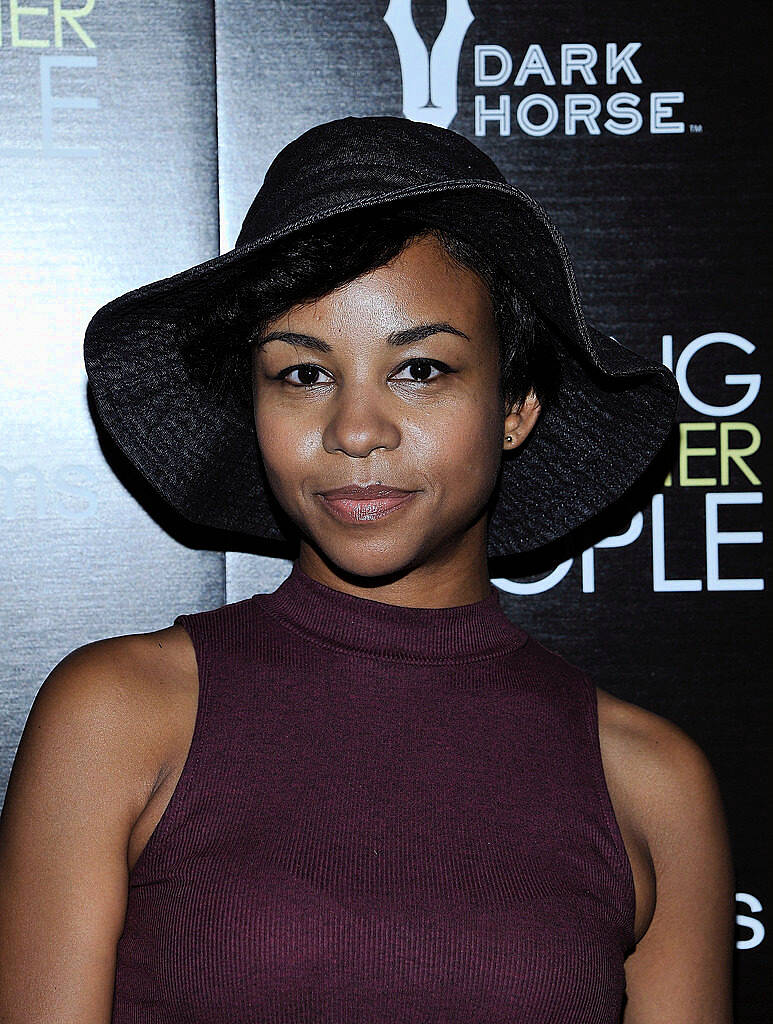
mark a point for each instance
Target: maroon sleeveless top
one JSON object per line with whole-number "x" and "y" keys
{"x": 387, "y": 814}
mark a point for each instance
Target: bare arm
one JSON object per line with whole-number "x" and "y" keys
{"x": 83, "y": 773}
{"x": 680, "y": 971}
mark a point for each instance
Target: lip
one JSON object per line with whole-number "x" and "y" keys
{"x": 365, "y": 510}
{"x": 359, "y": 492}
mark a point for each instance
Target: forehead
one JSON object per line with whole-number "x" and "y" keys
{"x": 421, "y": 283}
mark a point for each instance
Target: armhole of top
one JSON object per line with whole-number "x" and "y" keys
{"x": 154, "y": 846}
{"x": 608, "y": 809}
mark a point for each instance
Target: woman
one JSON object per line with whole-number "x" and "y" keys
{"x": 367, "y": 796}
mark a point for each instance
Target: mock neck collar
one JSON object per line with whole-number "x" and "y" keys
{"x": 334, "y": 618}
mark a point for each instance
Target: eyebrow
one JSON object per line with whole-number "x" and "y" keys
{"x": 396, "y": 339}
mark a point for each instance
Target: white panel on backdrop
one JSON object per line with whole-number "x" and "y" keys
{"x": 109, "y": 168}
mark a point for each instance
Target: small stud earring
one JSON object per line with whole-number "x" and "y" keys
{"x": 509, "y": 437}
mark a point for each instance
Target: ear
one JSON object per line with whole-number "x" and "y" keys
{"x": 520, "y": 421}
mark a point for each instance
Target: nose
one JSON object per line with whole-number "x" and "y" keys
{"x": 359, "y": 421}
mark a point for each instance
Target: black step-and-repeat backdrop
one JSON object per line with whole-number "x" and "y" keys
{"x": 132, "y": 140}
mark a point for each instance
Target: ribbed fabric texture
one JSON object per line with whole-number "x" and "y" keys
{"x": 387, "y": 814}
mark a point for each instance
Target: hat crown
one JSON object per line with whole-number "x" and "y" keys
{"x": 359, "y": 159}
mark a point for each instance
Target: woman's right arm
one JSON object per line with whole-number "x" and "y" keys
{"x": 84, "y": 771}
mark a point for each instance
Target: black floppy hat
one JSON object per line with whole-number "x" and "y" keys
{"x": 603, "y": 427}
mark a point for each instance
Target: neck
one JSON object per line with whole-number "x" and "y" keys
{"x": 351, "y": 622}
{"x": 461, "y": 578}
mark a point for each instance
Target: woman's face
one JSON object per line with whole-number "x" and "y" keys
{"x": 419, "y": 412}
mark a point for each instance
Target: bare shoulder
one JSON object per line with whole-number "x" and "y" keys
{"x": 651, "y": 739}
{"x": 123, "y": 690}
{"x": 664, "y": 786}
{"x": 661, "y": 766}
{"x": 91, "y": 752}
{"x": 134, "y": 667}
{"x": 132, "y": 657}
{"x": 150, "y": 673}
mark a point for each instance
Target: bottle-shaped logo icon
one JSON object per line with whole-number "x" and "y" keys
{"x": 429, "y": 79}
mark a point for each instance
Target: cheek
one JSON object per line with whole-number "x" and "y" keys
{"x": 462, "y": 448}
{"x": 480, "y": 453}
{"x": 285, "y": 445}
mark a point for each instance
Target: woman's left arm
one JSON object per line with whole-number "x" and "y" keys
{"x": 681, "y": 969}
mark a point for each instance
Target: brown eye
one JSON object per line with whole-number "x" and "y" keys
{"x": 306, "y": 372}
{"x": 424, "y": 369}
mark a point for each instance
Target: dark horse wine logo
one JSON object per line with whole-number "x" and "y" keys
{"x": 429, "y": 79}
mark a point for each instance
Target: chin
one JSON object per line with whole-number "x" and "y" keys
{"x": 370, "y": 563}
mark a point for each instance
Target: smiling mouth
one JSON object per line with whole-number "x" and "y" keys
{"x": 360, "y": 491}
{"x": 348, "y": 509}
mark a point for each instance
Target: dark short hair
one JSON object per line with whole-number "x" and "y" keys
{"x": 315, "y": 260}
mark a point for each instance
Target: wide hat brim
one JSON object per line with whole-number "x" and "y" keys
{"x": 197, "y": 446}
